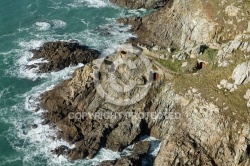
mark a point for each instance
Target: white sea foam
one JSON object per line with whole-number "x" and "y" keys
{"x": 9, "y": 160}
{"x": 4, "y": 92}
{"x": 155, "y": 145}
{"x": 118, "y": 35}
{"x": 23, "y": 29}
{"x": 43, "y": 26}
{"x": 1, "y": 94}
{"x": 90, "y": 3}
{"x": 58, "y": 24}
{"x": 85, "y": 22}
{"x": 39, "y": 139}
{"x": 152, "y": 152}
{"x": 6, "y": 53}
{"x": 31, "y": 44}
{"x": 134, "y": 12}
{"x": 24, "y": 58}
{"x": 35, "y": 143}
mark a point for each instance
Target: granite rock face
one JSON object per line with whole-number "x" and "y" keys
{"x": 62, "y": 54}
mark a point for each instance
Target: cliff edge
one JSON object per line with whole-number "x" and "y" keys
{"x": 185, "y": 81}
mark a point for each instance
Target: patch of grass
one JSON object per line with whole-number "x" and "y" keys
{"x": 166, "y": 51}
{"x": 173, "y": 65}
{"x": 209, "y": 55}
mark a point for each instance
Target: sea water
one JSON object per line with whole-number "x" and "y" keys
{"x": 26, "y": 25}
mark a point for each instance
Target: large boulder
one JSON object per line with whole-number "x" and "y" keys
{"x": 241, "y": 73}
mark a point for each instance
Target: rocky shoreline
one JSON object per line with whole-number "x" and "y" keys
{"x": 58, "y": 55}
{"x": 71, "y": 103}
{"x": 170, "y": 88}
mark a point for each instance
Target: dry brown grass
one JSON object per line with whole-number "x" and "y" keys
{"x": 206, "y": 81}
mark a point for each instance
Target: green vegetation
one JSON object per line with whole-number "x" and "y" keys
{"x": 173, "y": 65}
{"x": 209, "y": 55}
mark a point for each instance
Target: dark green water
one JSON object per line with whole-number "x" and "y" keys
{"x": 27, "y": 24}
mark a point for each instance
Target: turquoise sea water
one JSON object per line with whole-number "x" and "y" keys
{"x": 27, "y": 24}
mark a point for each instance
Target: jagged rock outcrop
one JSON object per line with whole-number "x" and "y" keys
{"x": 59, "y": 55}
{"x": 241, "y": 42}
{"x": 184, "y": 24}
{"x": 239, "y": 76}
{"x": 204, "y": 137}
{"x": 176, "y": 24}
{"x": 193, "y": 131}
{"x": 136, "y": 4}
{"x": 91, "y": 121}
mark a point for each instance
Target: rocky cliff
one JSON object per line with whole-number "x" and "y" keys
{"x": 90, "y": 120}
{"x": 187, "y": 23}
{"x": 189, "y": 88}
